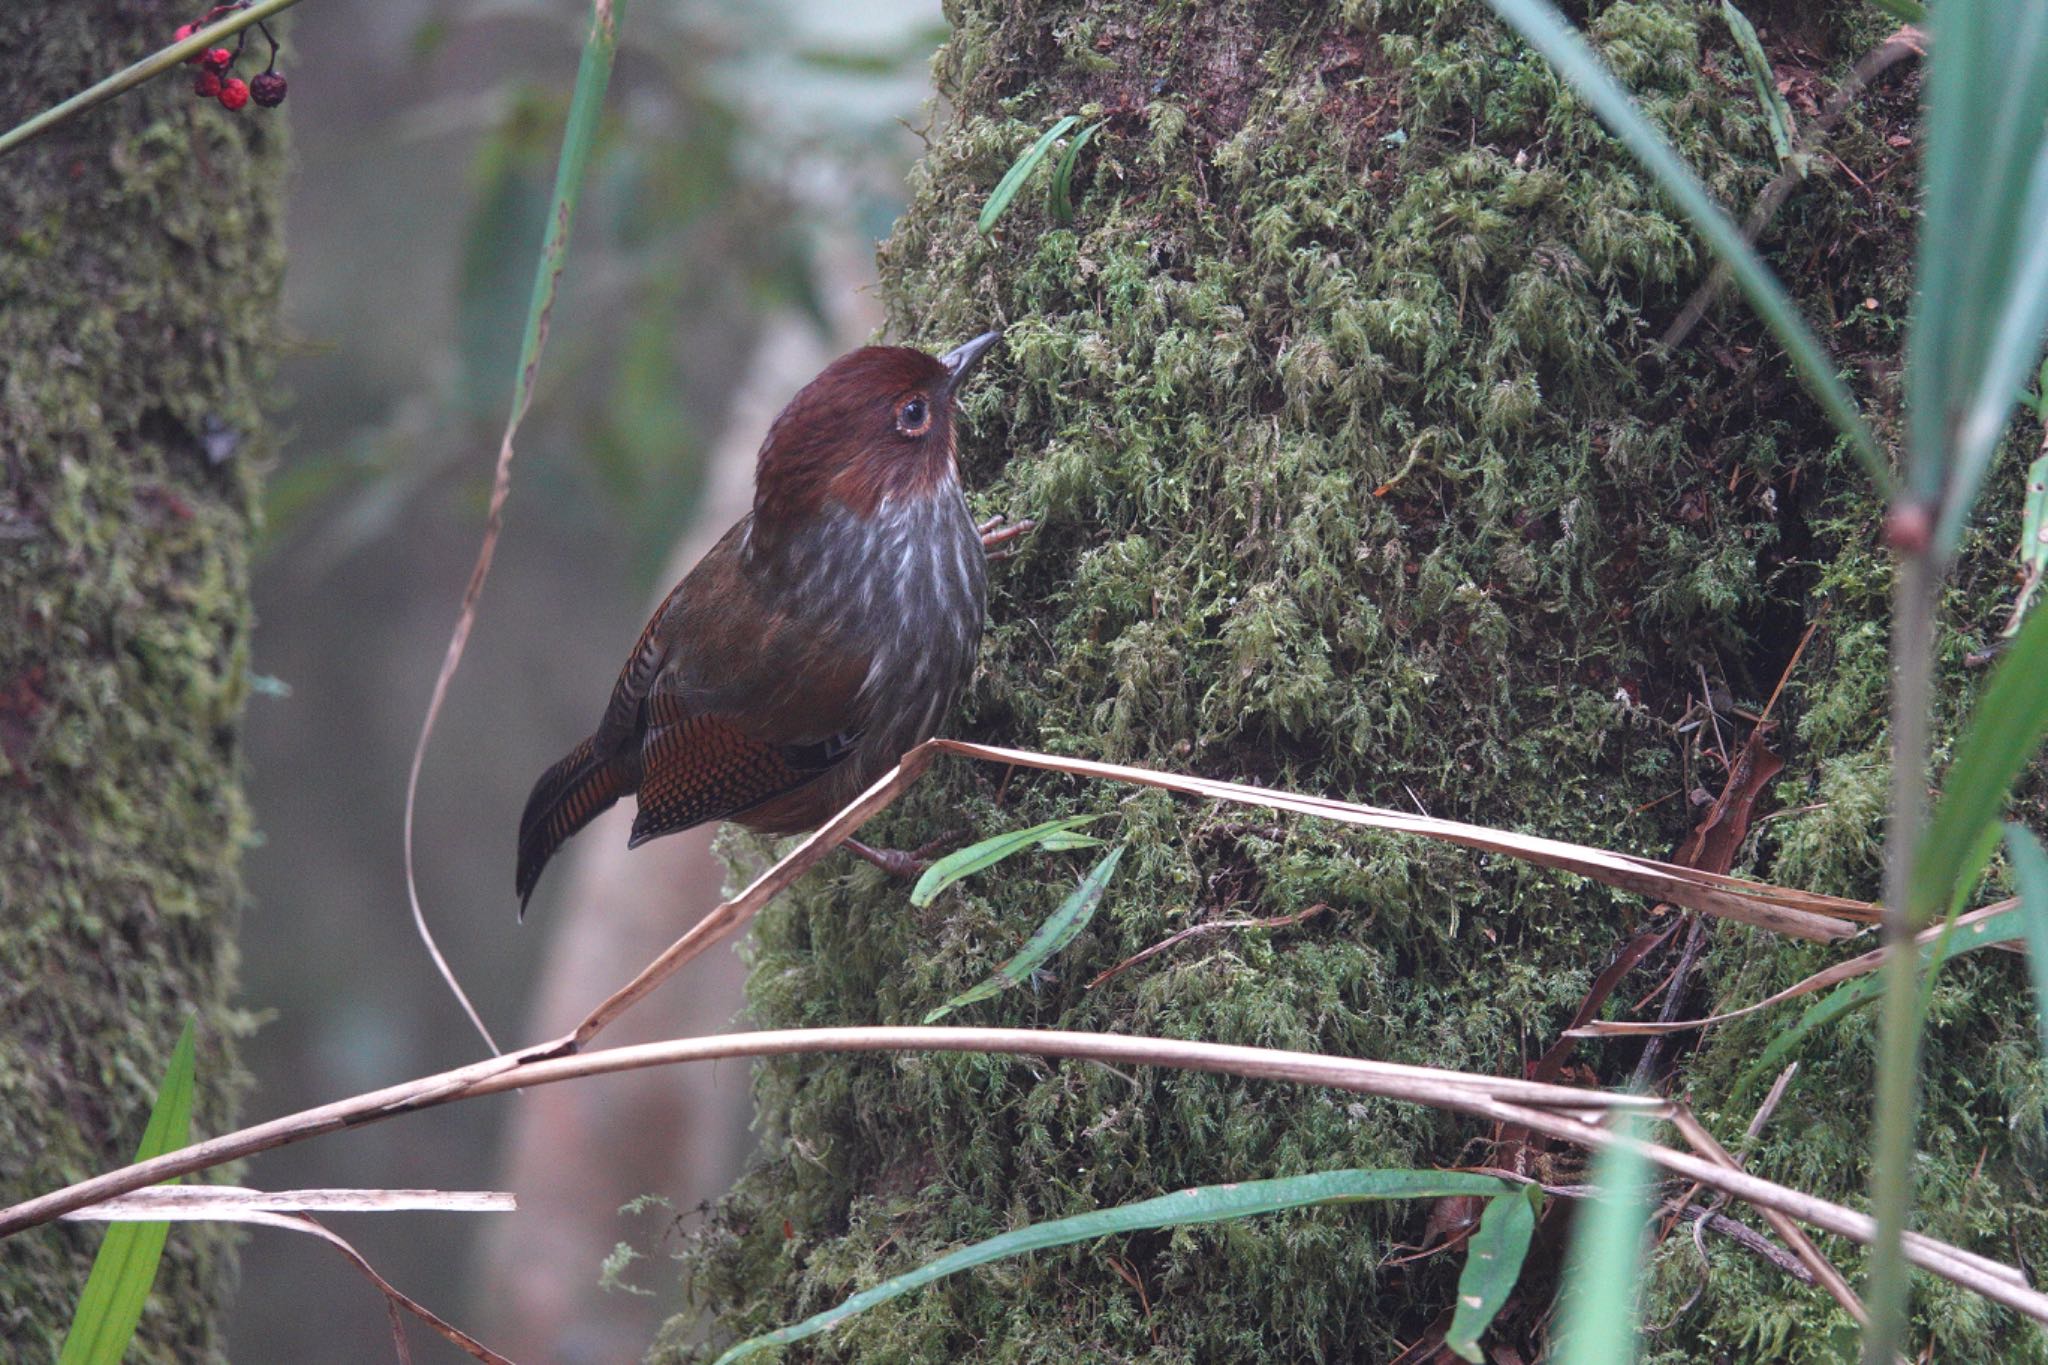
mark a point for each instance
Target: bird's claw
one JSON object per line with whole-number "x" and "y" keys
{"x": 895, "y": 862}
{"x": 995, "y": 532}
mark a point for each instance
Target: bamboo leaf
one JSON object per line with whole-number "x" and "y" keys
{"x": 2000, "y": 738}
{"x": 1063, "y": 176}
{"x": 1053, "y": 834}
{"x": 1013, "y": 180}
{"x": 1202, "y": 1204}
{"x": 1981, "y": 296}
{"x": 586, "y": 109}
{"x": 2030, "y": 871}
{"x": 1493, "y": 1262}
{"x": 110, "y": 1307}
{"x": 1547, "y": 32}
{"x": 1762, "y": 77}
{"x": 1059, "y": 929}
{"x": 1604, "y": 1266}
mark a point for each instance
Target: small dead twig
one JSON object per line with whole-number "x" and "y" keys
{"x": 1214, "y": 926}
{"x": 1908, "y": 41}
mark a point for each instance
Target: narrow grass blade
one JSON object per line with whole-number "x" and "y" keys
{"x": 1056, "y": 933}
{"x": 1053, "y": 834}
{"x": 1202, "y": 1204}
{"x": 1988, "y": 932}
{"x": 1013, "y": 180}
{"x": 1981, "y": 296}
{"x": 2000, "y": 738}
{"x": 1493, "y": 1262}
{"x": 2030, "y": 871}
{"x": 1063, "y": 177}
{"x": 1762, "y": 77}
{"x": 586, "y": 108}
{"x": 1905, "y": 11}
{"x": 1547, "y": 32}
{"x": 154, "y": 65}
{"x": 1604, "y": 1269}
{"x": 110, "y": 1307}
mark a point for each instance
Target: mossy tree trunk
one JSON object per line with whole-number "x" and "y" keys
{"x": 1359, "y": 472}
{"x": 140, "y": 267}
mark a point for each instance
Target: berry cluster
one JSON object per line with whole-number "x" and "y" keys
{"x": 216, "y": 80}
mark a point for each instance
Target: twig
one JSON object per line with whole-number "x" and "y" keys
{"x": 395, "y": 1299}
{"x": 1906, "y": 42}
{"x": 1211, "y": 927}
{"x": 2000, "y": 1284}
{"x": 1460, "y": 1092}
{"x": 1802, "y": 1246}
{"x": 1548, "y": 1109}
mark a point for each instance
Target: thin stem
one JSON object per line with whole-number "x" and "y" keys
{"x": 1898, "y": 1075}
{"x": 148, "y": 68}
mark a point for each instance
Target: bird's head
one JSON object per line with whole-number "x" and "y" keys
{"x": 876, "y": 424}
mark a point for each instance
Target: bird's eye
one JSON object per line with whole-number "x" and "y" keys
{"x": 914, "y": 418}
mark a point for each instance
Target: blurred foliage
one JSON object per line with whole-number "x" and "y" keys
{"x": 737, "y": 141}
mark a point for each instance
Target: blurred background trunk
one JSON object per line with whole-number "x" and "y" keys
{"x": 1360, "y": 472}
{"x": 140, "y": 272}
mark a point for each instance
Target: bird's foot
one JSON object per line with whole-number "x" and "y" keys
{"x": 895, "y": 862}
{"x": 998, "y": 530}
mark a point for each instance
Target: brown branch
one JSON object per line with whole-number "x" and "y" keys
{"x": 1548, "y": 1109}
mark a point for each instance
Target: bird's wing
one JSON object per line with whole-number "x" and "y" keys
{"x": 735, "y": 701}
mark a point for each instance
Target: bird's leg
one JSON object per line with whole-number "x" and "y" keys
{"x": 994, "y": 532}
{"x": 895, "y": 861}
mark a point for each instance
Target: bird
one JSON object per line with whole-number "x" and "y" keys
{"x": 827, "y": 632}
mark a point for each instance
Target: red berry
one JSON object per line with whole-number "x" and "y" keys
{"x": 186, "y": 31}
{"x": 219, "y": 59}
{"x": 234, "y": 92}
{"x": 268, "y": 89}
{"x": 206, "y": 86}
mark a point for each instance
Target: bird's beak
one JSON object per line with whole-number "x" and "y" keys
{"x": 961, "y": 360}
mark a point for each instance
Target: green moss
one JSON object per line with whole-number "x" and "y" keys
{"x": 141, "y": 267}
{"x": 1359, "y": 473}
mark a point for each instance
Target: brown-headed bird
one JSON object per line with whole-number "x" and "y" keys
{"x": 823, "y": 636}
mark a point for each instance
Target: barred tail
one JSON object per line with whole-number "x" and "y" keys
{"x": 568, "y": 796}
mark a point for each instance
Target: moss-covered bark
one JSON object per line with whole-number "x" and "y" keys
{"x": 1359, "y": 473}
{"x": 139, "y": 276}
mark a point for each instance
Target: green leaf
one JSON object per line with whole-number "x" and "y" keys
{"x": 1056, "y": 933}
{"x": 1063, "y": 177}
{"x": 1603, "y": 1268}
{"x": 1762, "y": 77}
{"x": 2000, "y": 738}
{"x": 1547, "y": 32}
{"x": 1981, "y": 286}
{"x": 586, "y": 110}
{"x": 1202, "y": 1204}
{"x": 1493, "y": 1262}
{"x": 1905, "y": 11}
{"x": 1850, "y": 995}
{"x": 1013, "y": 179}
{"x": 972, "y": 859}
{"x": 2030, "y": 871}
{"x": 108, "y": 1310}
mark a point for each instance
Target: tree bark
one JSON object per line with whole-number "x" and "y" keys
{"x": 139, "y": 284}
{"x": 1359, "y": 473}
